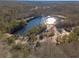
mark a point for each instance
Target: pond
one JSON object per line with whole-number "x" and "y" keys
{"x": 39, "y": 20}
{"x": 36, "y": 21}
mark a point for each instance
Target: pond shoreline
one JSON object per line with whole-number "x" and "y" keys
{"x": 20, "y": 27}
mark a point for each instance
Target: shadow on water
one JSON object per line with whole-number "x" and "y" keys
{"x": 34, "y": 22}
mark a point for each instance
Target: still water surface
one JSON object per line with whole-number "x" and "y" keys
{"x": 32, "y": 23}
